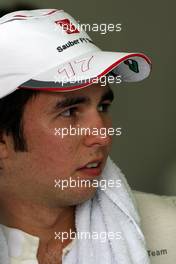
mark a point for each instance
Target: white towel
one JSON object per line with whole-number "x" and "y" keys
{"x": 110, "y": 210}
{"x": 4, "y": 259}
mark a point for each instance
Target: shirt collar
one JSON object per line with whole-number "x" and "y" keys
{"x": 23, "y": 246}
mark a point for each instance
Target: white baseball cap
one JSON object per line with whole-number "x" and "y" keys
{"x": 46, "y": 49}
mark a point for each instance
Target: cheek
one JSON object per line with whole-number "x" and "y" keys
{"x": 108, "y": 121}
{"x": 50, "y": 154}
{"x": 54, "y": 155}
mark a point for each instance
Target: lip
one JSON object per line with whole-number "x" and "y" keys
{"x": 99, "y": 161}
{"x": 93, "y": 172}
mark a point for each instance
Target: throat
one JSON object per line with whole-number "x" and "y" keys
{"x": 52, "y": 252}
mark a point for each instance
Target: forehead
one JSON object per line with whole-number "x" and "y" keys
{"x": 94, "y": 92}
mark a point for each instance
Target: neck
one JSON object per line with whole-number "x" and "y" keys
{"x": 37, "y": 220}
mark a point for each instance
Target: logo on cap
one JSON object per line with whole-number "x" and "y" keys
{"x": 67, "y": 26}
{"x": 133, "y": 65}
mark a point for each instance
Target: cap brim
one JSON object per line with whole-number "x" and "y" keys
{"x": 83, "y": 70}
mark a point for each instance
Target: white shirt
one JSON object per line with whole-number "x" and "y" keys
{"x": 23, "y": 247}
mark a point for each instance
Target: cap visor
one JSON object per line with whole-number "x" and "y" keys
{"x": 82, "y": 71}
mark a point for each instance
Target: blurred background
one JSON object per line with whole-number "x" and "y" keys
{"x": 146, "y": 151}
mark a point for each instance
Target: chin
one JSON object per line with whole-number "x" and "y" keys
{"x": 85, "y": 197}
{"x": 78, "y": 197}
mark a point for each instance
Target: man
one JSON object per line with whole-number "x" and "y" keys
{"x": 46, "y": 61}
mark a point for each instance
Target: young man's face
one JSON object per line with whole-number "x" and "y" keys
{"x": 31, "y": 175}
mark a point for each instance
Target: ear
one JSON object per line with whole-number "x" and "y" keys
{"x": 3, "y": 146}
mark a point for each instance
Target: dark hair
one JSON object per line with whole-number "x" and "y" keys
{"x": 11, "y": 116}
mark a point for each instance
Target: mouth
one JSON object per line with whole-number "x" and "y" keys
{"x": 92, "y": 168}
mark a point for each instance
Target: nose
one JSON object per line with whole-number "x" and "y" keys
{"x": 98, "y": 128}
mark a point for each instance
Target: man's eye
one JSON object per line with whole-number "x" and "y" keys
{"x": 104, "y": 107}
{"x": 69, "y": 112}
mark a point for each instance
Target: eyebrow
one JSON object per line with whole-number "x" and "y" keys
{"x": 70, "y": 101}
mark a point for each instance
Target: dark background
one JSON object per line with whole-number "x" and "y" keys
{"x": 146, "y": 151}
